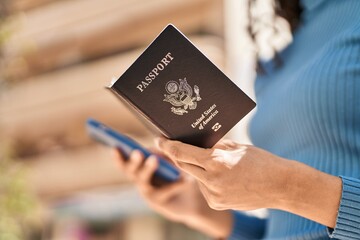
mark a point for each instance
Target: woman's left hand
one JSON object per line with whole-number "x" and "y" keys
{"x": 232, "y": 175}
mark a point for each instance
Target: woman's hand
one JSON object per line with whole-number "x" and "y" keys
{"x": 181, "y": 201}
{"x": 244, "y": 177}
{"x": 231, "y": 175}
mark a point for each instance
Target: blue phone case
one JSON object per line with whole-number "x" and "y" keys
{"x": 101, "y": 133}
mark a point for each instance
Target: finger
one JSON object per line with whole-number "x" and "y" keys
{"x": 195, "y": 171}
{"x": 135, "y": 161}
{"x": 169, "y": 191}
{"x": 182, "y": 152}
{"x": 119, "y": 159}
{"x": 144, "y": 176}
{"x": 157, "y": 152}
{"x": 204, "y": 192}
{"x": 225, "y": 144}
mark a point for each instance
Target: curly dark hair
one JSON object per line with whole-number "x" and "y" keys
{"x": 290, "y": 10}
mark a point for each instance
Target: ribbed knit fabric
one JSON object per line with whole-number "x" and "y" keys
{"x": 348, "y": 219}
{"x": 309, "y": 110}
{"x": 247, "y": 227}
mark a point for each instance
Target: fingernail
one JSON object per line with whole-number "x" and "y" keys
{"x": 151, "y": 160}
{"x": 137, "y": 153}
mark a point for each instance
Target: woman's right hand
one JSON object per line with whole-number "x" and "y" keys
{"x": 181, "y": 201}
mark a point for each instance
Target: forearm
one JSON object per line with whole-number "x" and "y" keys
{"x": 311, "y": 194}
{"x": 244, "y": 177}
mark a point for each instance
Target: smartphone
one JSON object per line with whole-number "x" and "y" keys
{"x": 165, "y": 173}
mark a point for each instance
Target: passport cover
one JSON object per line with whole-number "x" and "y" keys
{"x": 181, "y": 92}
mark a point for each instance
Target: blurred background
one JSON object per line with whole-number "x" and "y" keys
{"x": 56, "y": 58}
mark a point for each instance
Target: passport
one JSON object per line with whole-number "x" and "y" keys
{"x": 180, "y": 92}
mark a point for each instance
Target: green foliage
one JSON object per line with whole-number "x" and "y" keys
{"x": 17, "y": 204}
{"x": 4, "y": 34}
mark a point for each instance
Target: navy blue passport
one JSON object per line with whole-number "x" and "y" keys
{"x": 181, "y": 92}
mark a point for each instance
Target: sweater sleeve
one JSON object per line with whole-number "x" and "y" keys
{"x": 348, "y": 219}
{"x": 247, "y": 227}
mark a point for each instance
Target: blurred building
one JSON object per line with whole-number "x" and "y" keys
{"x": 59, "y": 55}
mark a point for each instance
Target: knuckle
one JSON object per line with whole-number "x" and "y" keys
{"x": 216, "y": 174}
{"x": 215, "y": 205}
{"x": 217, "y": 200}
{"x": 175, "y": 152}
{"x": 208, "y": 155}
{"x": 211, "y": 166}
{"x": 212, "y": 204}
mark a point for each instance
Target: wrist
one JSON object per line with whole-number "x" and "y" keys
{"x": 280, "y": 190}
{"x": 310, "y": 193}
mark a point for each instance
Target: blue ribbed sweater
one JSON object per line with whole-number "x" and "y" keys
{"x": 309, "y": 110}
